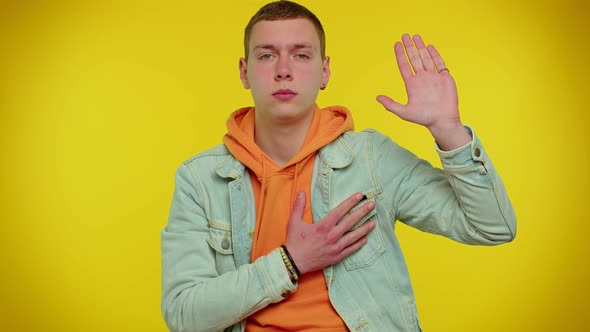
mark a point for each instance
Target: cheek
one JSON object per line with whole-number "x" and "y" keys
{"x": 311, "y": 75}
{"x": 315, "y": 71}
{"x": 258, "y": 75}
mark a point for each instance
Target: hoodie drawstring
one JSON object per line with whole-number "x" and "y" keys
{"x": 294, "y": 186}
{"x": 262, "y": 194}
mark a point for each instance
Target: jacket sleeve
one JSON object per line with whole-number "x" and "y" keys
{"x": 465, "y": 201}
{"x": 195, "y": 297}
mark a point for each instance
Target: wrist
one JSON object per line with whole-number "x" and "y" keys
{"x": 450, "y": 136}
{"x": 292, "y": 269}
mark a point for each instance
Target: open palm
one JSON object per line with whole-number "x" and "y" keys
{"x": 432, "y": 93}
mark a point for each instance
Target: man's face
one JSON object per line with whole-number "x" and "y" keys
{"x": 284, "y": 69}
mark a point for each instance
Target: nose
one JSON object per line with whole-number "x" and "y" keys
{"x": 283, "y": 70}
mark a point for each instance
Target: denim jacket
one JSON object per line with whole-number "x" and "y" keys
{"x": 210, "y": 284}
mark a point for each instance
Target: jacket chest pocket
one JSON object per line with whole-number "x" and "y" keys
{"x": 220, "y": 240}
{"x": 375, "y": 246}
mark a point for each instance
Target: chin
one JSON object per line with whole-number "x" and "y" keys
{"x": 292, "y": 112}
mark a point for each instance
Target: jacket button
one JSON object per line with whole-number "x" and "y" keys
{"x": 225, "y": 244}
{"x": 285, "y": 293}
{"x": 477, "y": 152}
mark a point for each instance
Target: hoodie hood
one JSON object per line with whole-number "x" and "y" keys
{"x": 327, "y": 124}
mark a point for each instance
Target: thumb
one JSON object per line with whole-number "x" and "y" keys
{"x": 392, "y": 105}
{"x": 298, "y": 208}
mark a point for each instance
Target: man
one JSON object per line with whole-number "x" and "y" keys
{"x": 289, "y": 225}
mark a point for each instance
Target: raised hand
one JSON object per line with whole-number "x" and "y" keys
{"x": 432, "y": 93}
{"x": 315, "y": 246}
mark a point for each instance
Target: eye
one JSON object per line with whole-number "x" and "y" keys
{"x": 265, "y": 57}
{"x": 302, "y": 56}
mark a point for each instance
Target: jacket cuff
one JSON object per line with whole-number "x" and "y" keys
{"x": 274, "y": 276}
{"x": 462, "y": 156}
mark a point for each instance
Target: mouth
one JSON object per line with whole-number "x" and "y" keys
{"x": 284, "y": 94}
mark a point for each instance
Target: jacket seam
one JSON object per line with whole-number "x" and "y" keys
{"x": 501, "y": 204}
{"x": 373, "y": 170}
{"x": 197, "y": 184}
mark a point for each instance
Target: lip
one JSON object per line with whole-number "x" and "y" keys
{"x": 284, "y": 94}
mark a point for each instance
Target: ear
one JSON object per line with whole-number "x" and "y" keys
{"x": 244, "y": 73}
{"x": 325, "y": 73}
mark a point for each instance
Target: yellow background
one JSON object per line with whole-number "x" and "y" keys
{"x": 101, "y": 101}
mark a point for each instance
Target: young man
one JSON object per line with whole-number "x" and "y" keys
{"x": 289, "y": 225}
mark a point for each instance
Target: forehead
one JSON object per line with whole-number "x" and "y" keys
{"x": 284, "y": 33}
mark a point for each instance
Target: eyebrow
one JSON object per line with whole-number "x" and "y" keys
{"x": 274, "y": 48}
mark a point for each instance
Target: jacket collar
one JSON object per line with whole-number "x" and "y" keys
{"x": 337, "y": 154}
{"x": 334, "y": 155}
{"x": 230, "y": 167}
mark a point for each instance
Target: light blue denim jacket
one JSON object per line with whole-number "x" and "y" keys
{"x": 210, "y": 284}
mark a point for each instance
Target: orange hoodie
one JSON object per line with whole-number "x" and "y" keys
{"x": 275, "y": 189}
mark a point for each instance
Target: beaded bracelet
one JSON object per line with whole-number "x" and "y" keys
{"x": 291, "y": 260}
{"x": 288, "y": 265}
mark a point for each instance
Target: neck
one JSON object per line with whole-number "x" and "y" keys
{"x": 281, "y": 142}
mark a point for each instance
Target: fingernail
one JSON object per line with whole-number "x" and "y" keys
{"x": 300, "y": 194}
{"x": 359, "y": 196}
{"x": 370, "y": 205}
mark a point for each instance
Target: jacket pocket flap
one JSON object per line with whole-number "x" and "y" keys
{"x": 220, "y": 237}
{"x": 370, "y": 194}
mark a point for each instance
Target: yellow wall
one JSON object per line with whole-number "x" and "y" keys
{"x": 100, "y": 103}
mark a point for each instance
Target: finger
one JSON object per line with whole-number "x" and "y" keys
{"x": 351, "y": 249}
{"x": 298, "y": 207}
{"x": 342, "y": 209}
{"x": 402, "y": 61}
{"x": 438, "y": 61}
{"x": 350, "y": 220}
{"x": 412, "y": 54}
{"x": 423, "y": 52}
{"x": 392, "y": 105}
{"x": 353, "y": 236}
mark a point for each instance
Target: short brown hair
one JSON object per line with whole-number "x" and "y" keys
{"x": 284, "y": 10}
